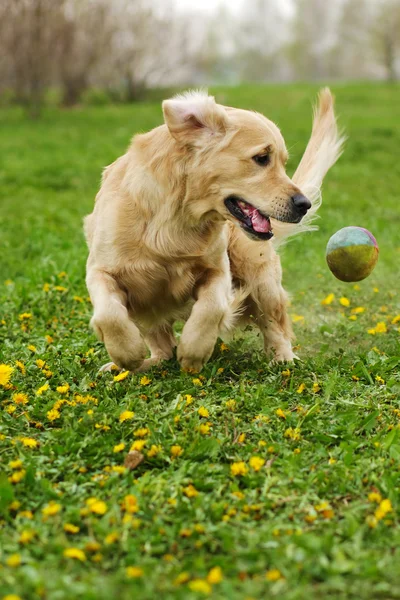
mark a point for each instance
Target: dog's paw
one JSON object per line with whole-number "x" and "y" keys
{"x": 284, "y": 356}
{"x": 109, "y": 367}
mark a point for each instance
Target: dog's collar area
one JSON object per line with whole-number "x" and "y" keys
{"x": 251, "y": 219}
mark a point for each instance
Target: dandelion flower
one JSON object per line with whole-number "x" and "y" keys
{"x": 119, "y": 447}
{"x": 176, "y": 451}
{"x": 273, "y": 575}
{"x": 215, "y": 575}
{"x": 238, "y": 469}
{"x": 134, "y": 572}
{"x": 200, "y": 585}
{"x": 63, "y": 389}
{"x": 51, "y": 509}
{"x": 5, "y": 374}
{"x": 127, "y": 415}
{"x": 256, "y": 463}
{"x": 328, "y": 300}
{"x": 203, "y": 412}
{"x": 344, "y": 301}
{"x": 145, "y": 380}
{"x": 20, "y": 398}
{"x": 121, "y": 376}
{"x": 14, "y": 560}
{"x": 29, "y": 442}
{"x": 75, "y": 553}
{"x": 70, "y": 528}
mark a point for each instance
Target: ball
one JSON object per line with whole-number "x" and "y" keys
{"x": 352, "y": 253}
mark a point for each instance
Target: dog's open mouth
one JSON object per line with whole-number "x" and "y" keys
{"x": 252, "y": 220}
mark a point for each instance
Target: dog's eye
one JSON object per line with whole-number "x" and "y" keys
{"x": 262, "y": 159}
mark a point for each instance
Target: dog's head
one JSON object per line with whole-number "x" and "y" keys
{"x": 234, "y": 164}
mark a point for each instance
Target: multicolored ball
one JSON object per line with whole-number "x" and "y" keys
{"x": 352, "y": 253}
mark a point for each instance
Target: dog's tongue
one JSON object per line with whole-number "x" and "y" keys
{"x": 260, "y": 223}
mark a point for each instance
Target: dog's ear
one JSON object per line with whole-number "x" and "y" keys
{"x": 190, "y": 115}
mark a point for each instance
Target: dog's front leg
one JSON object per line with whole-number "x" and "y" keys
{"x": 269, "y": 301}
{"x": 111, "y": 321}
{"x": 209, "y": 314}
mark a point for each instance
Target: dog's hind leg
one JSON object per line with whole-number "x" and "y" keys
{"x": 111, "y": 321}
{"x": 161, "y": 343}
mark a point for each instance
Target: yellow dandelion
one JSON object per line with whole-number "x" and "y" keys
{"x": 138, "y": 445}
{"x": 127, "y": 415}
{"x": 358, "y": 310}
{"x": 75, "y": 553}
{"x": 111, "y": 538}
{"x": 40, "y": 363}
{"x": 204, "y": 428}
{"x": 301, "y": 388}
{"x": 119, "y": 447}
{"x": 375, "y": 497}
{"x": 130, "y": 504}
{"x": 32, "y": 348}
{"x": 203, "y": 412}
{"x": 21, "y": 366}
{"x": 200, "y": 585}
{"x": 142, "y": 432}
{"x": 121, "y": 376}
{"x": 63, "y": 389}
{"x": 145, "y": 380}
{"x": 188, "y": 399}
{"x": 70, "y": 528}
{"x": 53, "y": 414}
{"x": 154, "y": 450}
{"x": 5, "y": 374}
{"x": 29, "y": 442}
{"x": 14, "y": 560}
{"x": 297, "y": 318}
{"x": 197, "y": 381}
{"x": 17, "y": 476}
{"x": 381, "y": 327}
{"x": 344, "y": 301}
{"x": 238, "y": 469}
{"x": 25, "y": 316}
{"x": 273, "y": 575}
{"x": 42, "y": 389}
{"x": 134, "y": 572}
{"x": 51, "y": 509}
{"x": 96, "y": 506}
{"x": 26, "y": 536}
{"x": 15, "y": 464}
{"x": 10, "y": 409}
{"x": 316, "y": 387}
{"x": 231, "y": 405}
{"x": 182, "y": 578}
{"x": 328, "y": 300}
{"x": 280, "y": 413}
{"x": 176, "y": 451}
{"x": 20, "y": 398}
{"x": 190, "y": 491}
{"x": 256, "y": 463}
{"x": 215, "y": 575}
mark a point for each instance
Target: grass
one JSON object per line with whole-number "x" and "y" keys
{"x": 327, "y": 429}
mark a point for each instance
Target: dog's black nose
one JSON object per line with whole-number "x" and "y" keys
{"x": 301, "y": 203}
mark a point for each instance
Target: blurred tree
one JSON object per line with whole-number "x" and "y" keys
{"x": 84, "y": 44}
{"x": 386, "y": 37}
{"x": 352, "y": 55}
{"x": 261, "y": 33}
{"x": 313, "y": 37}
{"x": 29, "y": 33}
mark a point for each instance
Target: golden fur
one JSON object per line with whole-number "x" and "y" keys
{"x": 163, "y": 245}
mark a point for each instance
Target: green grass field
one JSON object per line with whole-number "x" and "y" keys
{"x": 258, "y": 481}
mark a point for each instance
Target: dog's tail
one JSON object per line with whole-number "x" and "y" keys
{"x": 323, "y": 149}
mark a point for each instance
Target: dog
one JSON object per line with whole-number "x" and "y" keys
{"x": 185, "y": 227}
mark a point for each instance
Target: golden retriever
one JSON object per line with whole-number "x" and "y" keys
{"x": 183, "y": 226}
